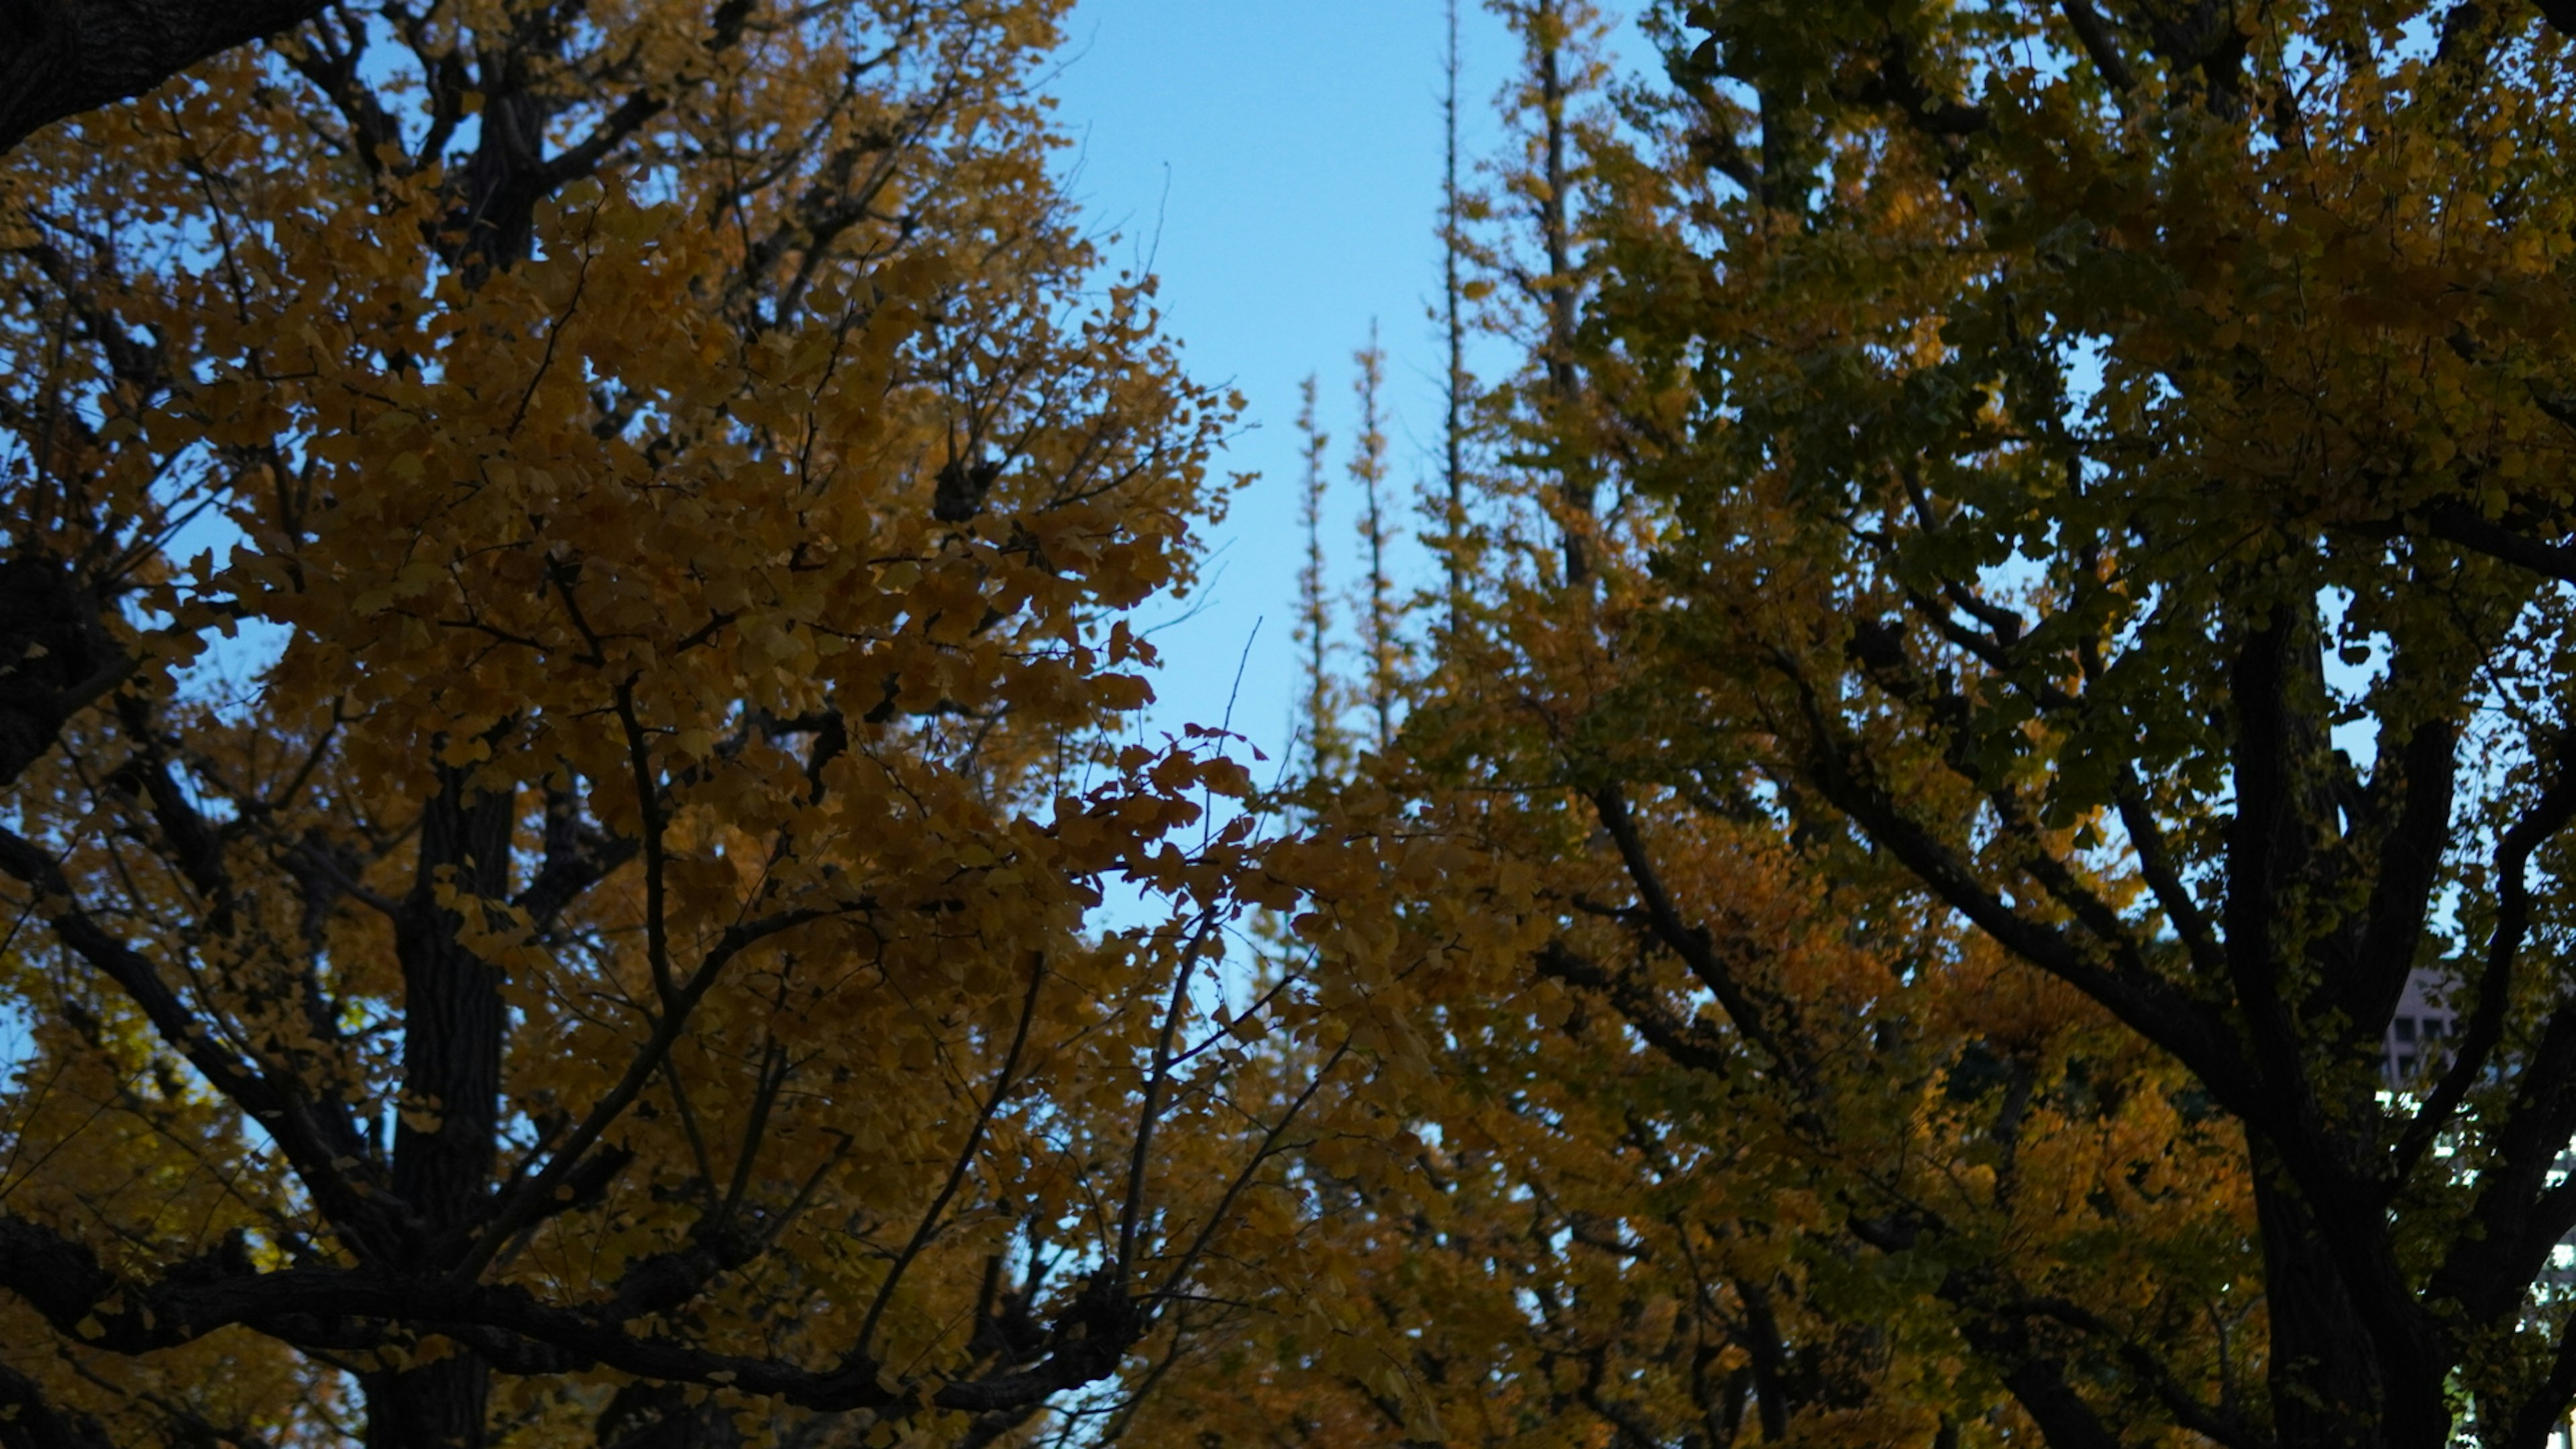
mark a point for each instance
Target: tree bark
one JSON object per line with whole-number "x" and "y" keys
{"x": 445, "y": 1145}
{"x": 56, "y": 658}
{"x": 59, "y": 58}
{"x": 2327, "y": 1387}
{"x": 28, "y": 1421}
{"x": 448, "y": 1137}
{"x": 441, "y": 1405}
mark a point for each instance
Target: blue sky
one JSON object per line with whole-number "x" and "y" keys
{"x": 1278, "y": 165}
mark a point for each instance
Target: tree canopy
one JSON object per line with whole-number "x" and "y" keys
{"x": 583, "y": 869}
{"x": 2085, "y": 490}
{"x": 567, "y": 573}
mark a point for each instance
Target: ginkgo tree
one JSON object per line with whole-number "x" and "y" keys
{"x": 569, "y": 579}
{"x": 1676, "y": 1074}
{"x": 2023, "y": 609}
{"x": 2095, "y": 481}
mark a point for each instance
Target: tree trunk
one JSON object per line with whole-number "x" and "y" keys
{"x": 2328, "y": 1389}
{"x": 452, "y": 1017}
{"x": 446, "y": 1141}
{"x": 441, "y": 1405}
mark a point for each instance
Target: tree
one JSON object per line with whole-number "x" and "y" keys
{"x": 1446, "y": 502}
{"x": 1320, "y": 726}
{"x": 568, "y": 575}
{"x": 2098, "y": 476}
{"x": 1539, "y": 270}
{"x": 1374, "y": 601}
{"x": 1741, "y": 1143}
{"x": 1647, "y": 1195}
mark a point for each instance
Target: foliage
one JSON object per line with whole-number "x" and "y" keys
{"x": 2083, "y": 499}
{"x": 570, "y": 573}
{"x": 2015, "y": 600}
{"x": 2021, "y": 606}
{"x": 1682, "y": 1076}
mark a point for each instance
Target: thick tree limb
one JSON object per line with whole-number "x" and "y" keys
{"x": 2100, "y": 44}
{"x": 30, "y": 1421}
{"x": 2550, "y": 814}
{"x": 2519, "y": 1219}
{"x": 2262, "y": 852}
{"x": 2038, "y": 1383}
{"x": 2004, "y": 1332}
{"x": 2410, "y": 864}
{"x": 2214, "y": 1424}
{"x": 64, "y": 1281}
{"x": 1765, "y": 1024}
{"x": 2473, "y": 530}
{"x": 1686, "y": 1044}
{"x": 1896, "y": 83}
{"x": 2156, "y": 864}
{"x": 56, "y": 658}
{"x": 2153, "y": 1007}
{"x": 59, "y": 58}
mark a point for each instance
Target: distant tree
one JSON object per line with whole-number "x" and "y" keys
{"x": 1320, "y": 712}
{"x": 1376, "y": 603}
{"x": 1564, "y": 61}
{"x": 1447, "y": 505}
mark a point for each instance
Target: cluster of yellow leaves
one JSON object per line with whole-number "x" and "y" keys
{"x": 740, "y": 540}
{"x": 745, "y": 552}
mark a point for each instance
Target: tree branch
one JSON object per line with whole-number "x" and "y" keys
{"x": 1756, "y": 1019}
{"x": 2475, "y": 531}
{"x": 63, "y": 1281}
{"x": 313, "y": 1142}
{"x": 2149, "y": 1005}
{"x": 64, "y": 57}
{"x": 29, "y": 1421}
{"x": 2100, "y": 44}
{"x": 2550, "y": 814}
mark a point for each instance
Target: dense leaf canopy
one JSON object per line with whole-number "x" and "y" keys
{"x": 567, "y": 572}
{"x": 582, "y": 871}
{"x": 2084, "y": 491}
